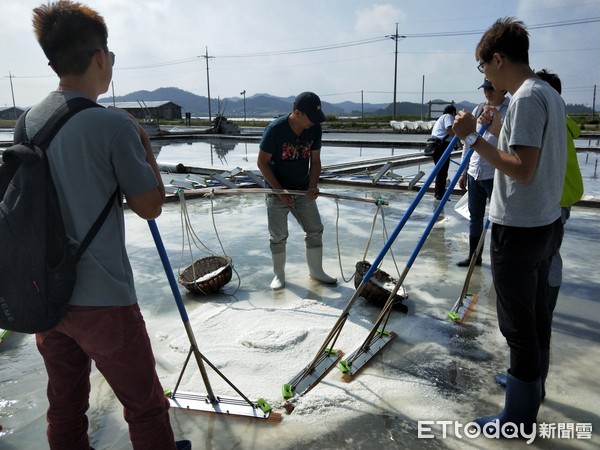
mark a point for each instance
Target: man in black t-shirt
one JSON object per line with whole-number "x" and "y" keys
{"x": 289, "y": 158}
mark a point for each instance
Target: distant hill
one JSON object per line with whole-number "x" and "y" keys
{"x": 258, "y": 105}
{"x": 265, "y": 105}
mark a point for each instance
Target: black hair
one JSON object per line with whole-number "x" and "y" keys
{"x": 551, "y": 78}
{"x": 450, "y": 109}
{"x": 507, "y": 36}
{"x": 69, "y": 33}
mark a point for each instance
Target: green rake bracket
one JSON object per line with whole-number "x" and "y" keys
{"x": 453, "y": 316}
{"x": 361, "y": 357}
{"x": 263, "y": 405}
{"x": 307, "y": 379}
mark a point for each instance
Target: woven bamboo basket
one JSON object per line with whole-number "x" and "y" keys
{"x": 379, "y": 287}
{"x": 207, "y": 275}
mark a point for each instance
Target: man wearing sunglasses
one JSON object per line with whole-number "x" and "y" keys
{"x": 289, "y": 157}
{"x": 530, "y": 162}
{"x": 95, "y": 152}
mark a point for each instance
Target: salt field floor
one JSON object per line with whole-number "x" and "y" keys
{"x": 435, "y": 370}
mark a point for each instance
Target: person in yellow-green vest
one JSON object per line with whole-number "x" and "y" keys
{"x": 572, "y": 192}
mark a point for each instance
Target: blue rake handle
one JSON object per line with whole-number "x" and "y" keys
{"x": 416, "y": 201}
{"x": 415, "y": 253}
{"x": 440, "y": 207}
{"x": 188, "y": 328}
{"x": 184, "y": 317}
{"x": 338, "y": 326}
{"x": 168, "y": 270}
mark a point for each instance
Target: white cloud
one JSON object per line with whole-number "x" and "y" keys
{"x": 377, "y": 20}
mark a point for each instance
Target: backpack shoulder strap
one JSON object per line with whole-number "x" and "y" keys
{"x": 478, "y": 110}
{"x": 43, "y": 138}
{"x": 64, "y": 112}
{"x": 20, "y": 133}
{"x": 91, "y": 234}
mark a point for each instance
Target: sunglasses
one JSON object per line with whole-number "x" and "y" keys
{"x": 480, "y": 66}
{"x": 111, "y": 54}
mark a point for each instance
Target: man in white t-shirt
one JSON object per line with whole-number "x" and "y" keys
{"x": 442, "y": 131}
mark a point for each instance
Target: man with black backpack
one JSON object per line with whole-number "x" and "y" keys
{"x": 95, "y": 152}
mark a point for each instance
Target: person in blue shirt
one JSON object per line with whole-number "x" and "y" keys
{"x": 478, "y": 177}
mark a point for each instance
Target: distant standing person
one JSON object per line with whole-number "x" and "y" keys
{"x": 442, "y": 131}
{"x": 530, "y": 164}
{"x": 289, "y": 157}
{"x": 95, "y": 152}
{"x": 478, "y": 177}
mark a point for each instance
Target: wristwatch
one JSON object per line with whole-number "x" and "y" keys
{"x": 471, "y": 139}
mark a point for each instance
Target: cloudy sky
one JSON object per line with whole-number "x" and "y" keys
{"x": 341, "y": 49}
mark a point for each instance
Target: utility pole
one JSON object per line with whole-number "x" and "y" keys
{"x": 593, "y": 103}
{"x": 396, "y": 38}
{"x": 362, "y": 105}
{"x": 422, "y": 96}
{"x": 206, "y": 57}
{"x": 244, "y": 94}
{"x": 13, "y": 95}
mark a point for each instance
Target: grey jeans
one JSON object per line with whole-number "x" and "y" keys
{"x": 306, "y": 213}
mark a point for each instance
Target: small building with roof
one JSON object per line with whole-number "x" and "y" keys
{"x": 10, "y": 113}
{"x": 153, "y": 110}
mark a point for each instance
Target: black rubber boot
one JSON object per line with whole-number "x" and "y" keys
{"x": 473, "y": 242}
{"x": 521, "y": 405}
{"x": 500, "y": 378}
{"x": 184, "y": 445}
{"x": 544, "y": 365}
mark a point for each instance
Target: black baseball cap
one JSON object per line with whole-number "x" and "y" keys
{"x": 310, "y": 104}
{"x": 487, "y": 85}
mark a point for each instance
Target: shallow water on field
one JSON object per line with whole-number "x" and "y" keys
{"x": 434, "y": 370}
{"x": 228, "y": 154}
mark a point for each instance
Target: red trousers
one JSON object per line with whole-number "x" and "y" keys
{"x": 115, "y": 338}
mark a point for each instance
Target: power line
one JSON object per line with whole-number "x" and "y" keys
{"x": 372, "y": 41}
{"x": 163, "y": 64}
{"x": 529, "y": 27}
{"x": 344, "y": 45}
{"x": 309, "y": 49}
{"x": 414, "y": 35}
{"x": 564, "y": 23}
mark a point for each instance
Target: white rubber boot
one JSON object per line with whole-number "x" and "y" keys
{"x": 314, "y": 258}
{"x": 279, "y": 270}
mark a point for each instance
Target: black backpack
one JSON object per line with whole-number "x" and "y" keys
{"x": 37, "y": 263}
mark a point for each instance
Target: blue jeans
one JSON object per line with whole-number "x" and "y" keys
{"x": 306, "y": 213}
{"x": 480, "y": 191}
